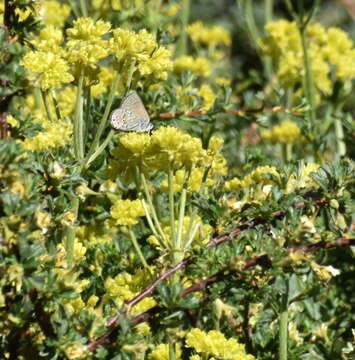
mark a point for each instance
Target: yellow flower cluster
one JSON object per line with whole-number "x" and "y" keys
{"x": 210, "y": 36}
{"x": 49, "y": 40}
{"x": 54, "y": 13}
{"x": 127, "y": 212}
{"x": 95, "y": 234}
{"x": 259, "y": 176}
{"x": 287, "y": 132}
{"x": 47, "y": 69}
{"x": 199, "y": 66}
{"x": 150, "y": 59}
{"x": 161, "y": 352}
{"x": 214, "y": 343}
{"x": 328, "y": 49}
{"x": 125, "y": 286}
{"x": 54, "y": 134}
{"x": 303, "y": 180}
{"x": 193, "y": 183}
{"x": 207, "y": 95}
{"x": 86, "y": 47}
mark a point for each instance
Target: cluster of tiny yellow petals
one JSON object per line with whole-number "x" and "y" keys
{"x": 161, "y": 352}
{"x": 287, "y": 132}
{"x": 85, "y": 46}
{"x": 125, "y": 286}
{"x": 214, "y": 343}
{"x": 54, "y": 134}
{"x": 127, "y": 212}
{"x": 259, "y": 176}
{"x": 54, "y": 13}
{"x": 49, "y": 40}
{"x": 199, "y": 65}
{"x": 304, "y": 180}
{"x": 210, "y": 36}
{"x": 208, "y": 96}
{"x": 48, "y": 69}
{"x": 66, "y": 100}
{"x": 193, "y": 183}
{"x": 328, "y": 49}
{"x": 150, "y": 59}
{"x": 95, "y": 234}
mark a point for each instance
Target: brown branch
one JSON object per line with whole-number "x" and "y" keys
{"x": 202, "y": 285}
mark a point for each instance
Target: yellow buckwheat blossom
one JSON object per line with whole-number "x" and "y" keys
{"x": 54, "y": 134}
{"x": 303, "y": 180}
{"x": 287, "y": 132}
{"x": 49, "y": 40}
{"x": 47, "y": 69}
{"x": 161, "y": 352}
{"x": 328, "y": 49}
{"x": 54, "y": 13}
{"x": 127, "y": 212}
{"x": 125, "y": 286}
{"x": 199, "y": 65}
{"x": 175, "y": 147}
{"x": 214, "y": 343}
{"x": 207, "y": 95}
{"x": 85, "y": 46}
{"x": 210, "y": 36}
{"x": 150, "y": 59}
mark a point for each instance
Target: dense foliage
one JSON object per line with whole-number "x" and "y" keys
{"x": 226, "y": 232}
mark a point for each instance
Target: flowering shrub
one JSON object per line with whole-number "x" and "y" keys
{"x": 226, "y": 231}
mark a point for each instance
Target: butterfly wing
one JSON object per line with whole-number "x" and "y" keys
{"x": 131, "y": 115}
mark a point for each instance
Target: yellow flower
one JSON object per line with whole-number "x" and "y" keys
{"x": 287, "y": 132}
{"x": 12, "y": 121}
{"x": 210, "y": 36}
{"x": 49, "y": 40}
{"x": 151, "y": 60}
{"x": 75, "y": 350}
{"x": 67, "y": 100}
{"x": 177, "y": 148}
{"x": 47, "y": 68}
{"x": 214, "y": 343}
{"x": 95, "y": 234}
{"x": 161, "y": 352}
{"x": 85, "y": 47}
{"x": 303, "y": 180}
{"x": 127, "y": 212}
{"x": 43, "y": 219}
{"x": 125, "y": 286}
{"x": 55, "y": 13}
{"x": 207, "y": 95}
{"x": 199, "y": 66}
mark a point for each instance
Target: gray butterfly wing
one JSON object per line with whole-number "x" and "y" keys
{"x": 131, "y": 115}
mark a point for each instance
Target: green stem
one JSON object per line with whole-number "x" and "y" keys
{"x": 78, "y": 121}
{"x": 69, "y": 235}
{"x": 269, "y": 6}
{"x": 87, "y": 92}
{"x": 250, "y": 21}
{"x": 339, "y": 132}
{"x": 185, "y": 14}
{"x": 46, "y": 104}
{"x": 56, "y": 105}
{"x": 138, "y": 249}
{"x": 172, "y": 355}
{"x": 181, "y": 219}
{"x": 83, "y": 8}
{"x": 103, "y": 120}
{"x": 283, "y": 327}
{"x": 171, "y": 203}
{"x": 90, "y": 158}
{"x": 152, "y": 209}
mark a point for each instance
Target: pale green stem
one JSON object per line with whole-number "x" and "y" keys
{"x": 193, "y": 213}
{"x": 339, "y": 132}
{"x": 283, "y": 328}
{"x": 138, "y": 249}
{"x": 69, "y": 234}
{"x": 269, "y": 6}
{"x": 149, "y": 219}
{"x": 191, "y": 237}
{"x": 171, "y": 203}
{"x": 181, "y": 218}
{"x": 104, "y": 118}
{"x": 152, "y": 209}
{"x": 46, "y": 104}
{"x": 181, "y": 47}
{"x": 56, "y": 105}
{"x": 78, "y": 121}
{"x": 90, "y": 158}
{"x": 250, "y": 21}
{"x": 87, "y": 110}
{"x": 83, "y": 8}
{"x": 172, "y": 355}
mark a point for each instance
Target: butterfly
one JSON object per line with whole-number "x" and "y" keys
{"x": 131, "y": 115}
